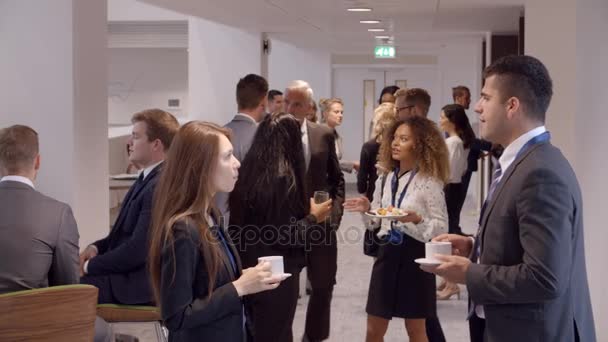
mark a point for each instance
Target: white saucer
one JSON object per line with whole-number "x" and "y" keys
{"x": 428, "y": 262}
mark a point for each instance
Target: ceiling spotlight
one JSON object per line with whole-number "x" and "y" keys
{"x": 359, "y": 9}
{"x": 369, "y": 21}
{"x": 376, "y": 30}
{"x": 383, "y": 37}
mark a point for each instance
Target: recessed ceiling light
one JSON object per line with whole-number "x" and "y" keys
{"x": 369, "y": 21}
{"x": 383, "y": 37}
{"x": 359, "y": 9}
{"x": 376, "y": 30}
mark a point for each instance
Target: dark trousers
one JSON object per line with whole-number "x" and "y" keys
{"x": 273, "y": 311}
{"x": 434, "y": 331}
{"x": 322, "y": 265}
{"x": 454, "y": 203}
{"x": 102, "y": 283}
{"x": 477, "y": 327}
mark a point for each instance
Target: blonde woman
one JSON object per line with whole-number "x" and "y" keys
{"x": 368, "y": 173}
{"x": 332, "y": 114}
{"x": 415, "y": 154}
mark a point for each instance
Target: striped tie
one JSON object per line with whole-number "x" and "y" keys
{"x": 495, "y": 177}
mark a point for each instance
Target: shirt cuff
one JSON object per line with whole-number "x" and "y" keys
{"x": 85, "y": 267}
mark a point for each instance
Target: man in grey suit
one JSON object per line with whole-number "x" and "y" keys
{"x": 526, "y": 273}
{"x": 251, "y": 92}
{"x": 38, "y": 235}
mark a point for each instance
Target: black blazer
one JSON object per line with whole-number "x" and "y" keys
{"x": 185, "y": 308}
{"x": 366, "y": 178}
{"x": 324, "y": 173}
{"x": 123, "y": 253}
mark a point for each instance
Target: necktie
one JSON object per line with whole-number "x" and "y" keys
{"x": 495, "y": 180}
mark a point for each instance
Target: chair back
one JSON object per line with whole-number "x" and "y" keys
{"x": 59, "y": 313}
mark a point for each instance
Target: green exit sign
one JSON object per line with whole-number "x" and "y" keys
{"x": 384, "y": 51}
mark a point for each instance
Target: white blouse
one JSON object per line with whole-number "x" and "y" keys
{"x": 424, "y": 196}
{"x": 458, "y": 158}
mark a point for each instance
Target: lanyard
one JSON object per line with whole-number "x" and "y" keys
{"x": 395, "y": 187}
{"x": 395, "y": 236}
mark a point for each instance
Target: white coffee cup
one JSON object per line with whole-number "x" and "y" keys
{"x": 432, "y": 248}
{"x": 276, "y": 264}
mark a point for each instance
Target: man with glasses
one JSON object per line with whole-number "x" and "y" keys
{"x": 409, "y": 102}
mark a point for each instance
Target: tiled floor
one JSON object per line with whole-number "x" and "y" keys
{"x": 350, "y": 294}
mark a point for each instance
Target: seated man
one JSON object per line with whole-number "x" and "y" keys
{"x": 38, "y": 235}
{"x": 116, "y": 264}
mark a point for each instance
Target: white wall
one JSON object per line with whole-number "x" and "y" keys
{"x": 129, "y": 10}
{"x": 218, "y": 57}
{"x": 569, "y": 37}
{"x": 53, "y": 66}
{"x": 287, "y": 62}
{"x": 146, "y": 78}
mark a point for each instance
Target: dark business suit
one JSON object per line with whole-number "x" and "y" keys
{"x": 39, "y": 235}
{"x": 323, "y": 174}
{"x": 366, "y": 178}
{"x": 532, "y": 279}
{"x": 38, "y": 243}
{"x": 119, "y": 270}
{"x": 188, "y": 311}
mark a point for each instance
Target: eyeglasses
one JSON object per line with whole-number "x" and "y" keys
{"x": 402, "y": 108}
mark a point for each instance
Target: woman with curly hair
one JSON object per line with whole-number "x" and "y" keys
{"x": 415, "y": 155}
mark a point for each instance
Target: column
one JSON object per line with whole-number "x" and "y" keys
{"x": 54, "y": 70}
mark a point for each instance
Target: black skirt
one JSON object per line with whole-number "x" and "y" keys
{"x": 398, "y": 287}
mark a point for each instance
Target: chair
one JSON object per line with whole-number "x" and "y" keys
{"x": 58, "y": 313}
{"x": 141, "y": 322}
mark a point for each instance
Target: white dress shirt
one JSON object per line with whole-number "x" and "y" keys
{"x": 304, "y": 130}
{"x": 506, "y": 159}
{"x": 19, "y": 179}
{"x": 458, "y": 158}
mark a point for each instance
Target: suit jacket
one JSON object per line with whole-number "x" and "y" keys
{"x": 243, "y": 132}
{"x": 324, "y": 172}
{"x": 124, "y": 252}
{"x": 532, "y": 279}
{"x": 366, "y": 178}
{"x": 38, "y": 240}
{"x": 188, "y": 313}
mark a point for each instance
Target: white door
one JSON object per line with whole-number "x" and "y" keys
{"x": 360, "y": 87}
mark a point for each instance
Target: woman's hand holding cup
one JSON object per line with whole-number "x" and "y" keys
{"x": 257, "y": 279}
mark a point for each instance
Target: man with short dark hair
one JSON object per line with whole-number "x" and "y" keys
{"x": 462, "y": 96}
{"x": 275, "y": 101}
{"x": 116, "y": 264}
{"x": 525, "y": 269}
{"x": 251, "y": 92}
{"x": 412, "y": 102}
{"x": 38, "y": 235}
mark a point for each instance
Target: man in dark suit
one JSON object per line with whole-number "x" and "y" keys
{"x": 526, "y": 274}
{"x": 38, "y": 235}
{"x": 323, "y": 174}
{"x": 116, "y": 264}
{"x": 251, "y": 93}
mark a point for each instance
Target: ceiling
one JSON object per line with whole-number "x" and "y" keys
{"x": 326, "y": 23}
